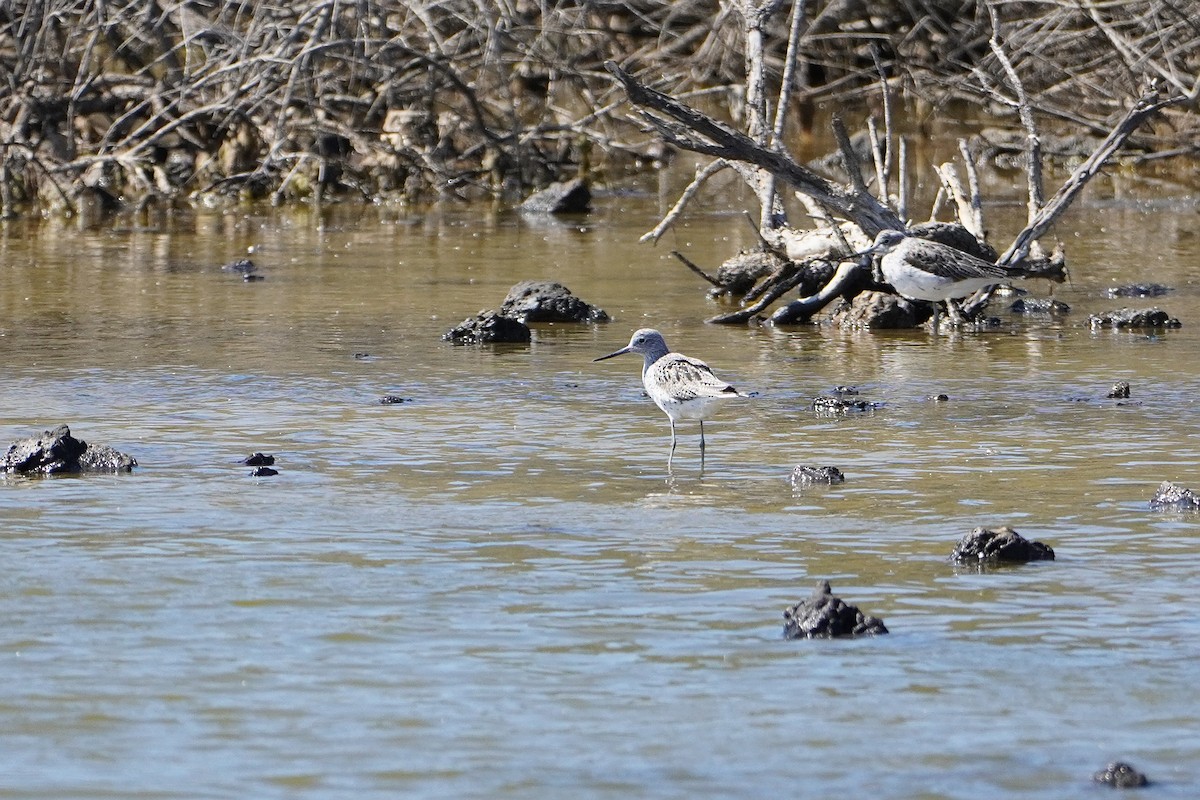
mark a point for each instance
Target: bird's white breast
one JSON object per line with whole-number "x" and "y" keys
{"x": 921, "y": 284}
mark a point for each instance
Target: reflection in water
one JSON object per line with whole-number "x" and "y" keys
{"x": 498, "y": 589}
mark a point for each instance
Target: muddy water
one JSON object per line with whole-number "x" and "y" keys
{"x": 497, "y": 590}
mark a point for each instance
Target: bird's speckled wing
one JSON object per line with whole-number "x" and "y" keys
{"x": 955, "y": 264}
{"x": 686, "y": 378}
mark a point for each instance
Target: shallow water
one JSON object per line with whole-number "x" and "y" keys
{"x": 497, "y": 590}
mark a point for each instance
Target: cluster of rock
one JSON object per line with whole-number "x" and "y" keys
{"x": 825, "y": 616}
{"x": 1120, "y": 775}
{"x": 885, "y": 311}
{"x": 1138, "y": 290}
{"x": 984, "y": 546}
{"x": 1172, "y": 497}
{"x": 526, "y": 302}
{"x": 837, "y": 406}
{"x": 263, "y": 465}
{"x": 1133, "y": 318}
{"x": 56, "y": 452}
{"x": 811, "y": 476}
{"x": 1039, "y": 306}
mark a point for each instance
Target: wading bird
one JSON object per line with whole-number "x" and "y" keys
{"x": 920, "y": 269}
{"x": 684, "y": 388}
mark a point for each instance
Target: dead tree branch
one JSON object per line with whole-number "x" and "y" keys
{"x": 702, "y": 175}
{"x": 1149, "y": 104}
{"x": 690, "y": 129}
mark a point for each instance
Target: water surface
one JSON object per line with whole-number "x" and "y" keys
{"x": 497, "y": 590}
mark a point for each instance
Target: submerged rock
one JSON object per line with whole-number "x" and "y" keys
{"x": 1174, "y": 498}
{"x": 57, "y": 451}
{"x": 1119, "y": 391}
{"x": 1138, "y": 290}
{"x": 1120, "y": 775}
{"x": 824, "y": 616}
{"x": 258, "y": 460}
{"x": 1133, "y": 318}
{"x": 488, "y": 327}
{"x": 547, "y": 301}
{"x": 830, "y": 406}
{"x": 565, "y": 197}
{"x": 807, "y": 476}
{"x": 1038, "y": 306}
{"x": 985, "y": 546}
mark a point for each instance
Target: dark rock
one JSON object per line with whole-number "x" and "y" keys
{"x": 1119, "y": 391}
{"x": 258, "y": 460}
{"x": 393, "y": 400}
{"x": 1174, "y": 498}
{"x": 739, "y": 273}
{"x": 825, "y": 616}
{"x": 807, "y": 476}
{"x": 940, "y": 398}
{"x": 814, "y": 275}
{"x": 488, "y": 327}
{"x": 263, "y": 472}
{"x": 57, "y": 451}
{"x": 1036, "y": 305}
{"x": 1138, "y": 290}
{"x": 881, "y": 311}
{"x": 566, "y": 197}
{"x": 102, "y": 458}
{"x": 1120, "y": 775}
{"x": 1133, "y": 318}
{"x": 840, "y": 405}
{"x": 547, "y": 301}
{"x": 984, "y": 546}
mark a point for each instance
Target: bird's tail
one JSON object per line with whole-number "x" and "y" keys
{"x": 1052, "y": 268}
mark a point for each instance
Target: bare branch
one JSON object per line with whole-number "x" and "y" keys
{"x": 702, "y": 175}
{"x": 1146, "y": 106}
{"x": 695, "y": 131}
{"x": 1034, "y": 142}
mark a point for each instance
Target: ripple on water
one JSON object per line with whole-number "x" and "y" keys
{"x": 497, "y": 589}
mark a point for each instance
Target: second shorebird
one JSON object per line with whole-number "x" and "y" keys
{"x": 920, "y": 269}
{"x": 684, "y": 388}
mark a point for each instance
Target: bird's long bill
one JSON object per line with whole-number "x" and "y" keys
{"x": 620, "y": 352}
{"x": 870, "y": 251}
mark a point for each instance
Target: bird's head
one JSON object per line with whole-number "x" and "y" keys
{"x": 644, "y": 342}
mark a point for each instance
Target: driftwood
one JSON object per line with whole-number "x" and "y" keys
{"x": 685, "y": 127}
{"x": 760, "y": 158}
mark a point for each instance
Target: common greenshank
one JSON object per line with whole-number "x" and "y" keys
{"x": 684, "y": 388}
{"x": 920, "y": 269}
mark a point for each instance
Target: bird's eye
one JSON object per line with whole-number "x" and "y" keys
{"x": 641, "y": 340}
